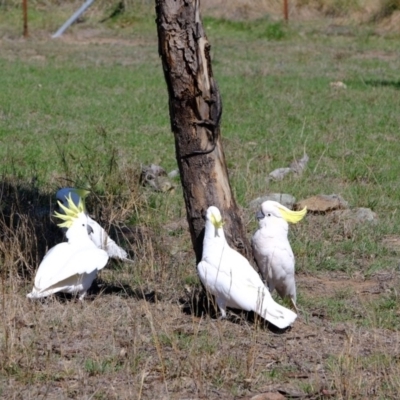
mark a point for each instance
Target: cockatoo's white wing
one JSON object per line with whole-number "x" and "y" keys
{"x": 68, "y": 268}
{"x": 101, "y": 239}
{"x": 52, "y": 263}
{"x": 77, "y": 262}
{"x": 275, "y": 259}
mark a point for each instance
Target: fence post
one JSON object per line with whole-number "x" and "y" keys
{"x": 25, "y": 17}
{"x": 286, "y": 10}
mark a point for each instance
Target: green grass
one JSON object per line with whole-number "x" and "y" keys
{"x": 90, "y": 109}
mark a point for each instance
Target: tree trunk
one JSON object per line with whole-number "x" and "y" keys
{"x": 195, "y": 112}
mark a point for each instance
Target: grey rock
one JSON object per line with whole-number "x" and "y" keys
{"x": 279, "y": 174}
{"x": 297, "y": 167}
{"x": 155, "y": 177}
{"x": 357, "y": 215}
{"x": 173, "y": 174}
{"x": 286, "y": 199}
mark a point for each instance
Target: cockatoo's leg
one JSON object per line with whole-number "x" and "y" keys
{"x": 222, "y": 307}
{"x": 271, "y": 287}
{"x": 293, "y": 300}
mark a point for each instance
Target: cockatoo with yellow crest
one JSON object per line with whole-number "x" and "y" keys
{"x": 272, "y": 250}
{"x": 70, "y": 267}
{"x": 232, "y": 280}
{"x": 99, "y": 236}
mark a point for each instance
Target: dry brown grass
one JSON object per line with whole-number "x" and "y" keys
{"x": 144, "y": 333}
{"x": 358, "y": 10}
{"x": 347, "y": 10}
{"x": 147, "y": 332}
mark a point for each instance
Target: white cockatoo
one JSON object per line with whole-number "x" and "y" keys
{"x": 99, "y": 236}
{"x": 232, "y": 280}
{"x": 272, "y": 250}
{"x": 70, "y": 267}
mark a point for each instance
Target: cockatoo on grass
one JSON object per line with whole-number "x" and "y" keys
{"x": 99, "y": 236}
{"x": 272, "y": 250}
{"x": 70, "y": 267}
{"x": 231, "y": 279}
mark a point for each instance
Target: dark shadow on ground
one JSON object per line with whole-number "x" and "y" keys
{"x": 383, "y": 82}
{"x": 199, "y": 303}
{"x": 28, "y": 228}
{"x": 100, "y": 287}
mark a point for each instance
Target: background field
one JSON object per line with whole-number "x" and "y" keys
{"x": 89, "y": 109}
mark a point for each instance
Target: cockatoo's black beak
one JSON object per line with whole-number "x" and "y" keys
{"x": 260, "y": 215}
{"x": 89, "y": 229}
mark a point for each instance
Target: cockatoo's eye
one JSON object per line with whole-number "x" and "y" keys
{"x": 269, "y": 214}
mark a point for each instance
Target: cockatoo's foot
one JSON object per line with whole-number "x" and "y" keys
{"x": 222, "y": 307}
{"x": 82, "y": 295}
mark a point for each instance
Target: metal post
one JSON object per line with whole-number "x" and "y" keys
{"x": 73, "y": 18}
{"x": 25, "y": 17}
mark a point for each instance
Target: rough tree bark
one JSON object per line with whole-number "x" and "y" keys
{"x": 195, "y": 111}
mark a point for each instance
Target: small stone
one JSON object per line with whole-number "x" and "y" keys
{"x": 365, "y": 214}
{"x": 156, "y": 177}
{"x": 280, "y": 173}
{"x": 357, "y": 215}
{"x": 173, "y": 174}
{"x": 285, "y": 199}
{"x": 338, "y": 85}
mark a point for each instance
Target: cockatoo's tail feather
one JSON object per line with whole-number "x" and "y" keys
{"x": 292, "y": 216}
{"x": 71, "y": 212}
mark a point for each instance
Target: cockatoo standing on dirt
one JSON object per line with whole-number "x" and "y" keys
{"x": 231, "y": 279}
{"x": 99, "y": 236}
{"x": 70, "y": 267}
{"x": 272, "y": 250}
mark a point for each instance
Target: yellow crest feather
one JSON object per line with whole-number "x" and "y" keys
{"x": 292, "y": 216}
{"x": 82, "y": 193}
{"x": 71, "y": 212}
{"x": 217, "y": 221}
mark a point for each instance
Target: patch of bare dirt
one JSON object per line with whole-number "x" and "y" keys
{"x": 376, "y": 54}
{"x": 392, "y": 242}
{"x": 97, "y": 36}
{"x": 328, "y": 286}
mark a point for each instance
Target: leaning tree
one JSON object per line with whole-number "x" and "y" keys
{"x": 195, "y": 112}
